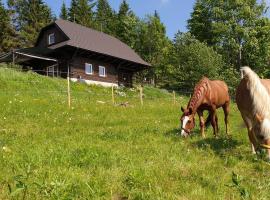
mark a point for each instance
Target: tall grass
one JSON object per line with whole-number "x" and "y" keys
{"x": 97, "y": 150}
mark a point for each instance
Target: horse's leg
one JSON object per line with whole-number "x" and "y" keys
{"x": 202, "y": 124}
{"x": 250, "y": 133}
{"x": 213, "y": 120}
{"x": 226, "y": 110}
{"x": 267, "y": 142}
{"x": 216, "y": 118}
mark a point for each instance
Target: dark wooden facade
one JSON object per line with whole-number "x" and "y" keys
{"x": 78, "y": 70}
{"x": 43, "y": 37}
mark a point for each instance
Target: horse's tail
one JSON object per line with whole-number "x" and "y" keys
{"x": 208, "y": 120}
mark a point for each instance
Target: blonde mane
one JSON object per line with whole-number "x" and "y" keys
{"x": 259, "y": 94}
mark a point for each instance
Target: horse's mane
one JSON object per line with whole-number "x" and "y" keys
{"x": 201, "y": 87}
{"x": 258, "y": 92}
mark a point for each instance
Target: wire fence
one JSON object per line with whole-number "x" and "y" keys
{"x": 59, "y": 87}
{"x": 64, "y": 87}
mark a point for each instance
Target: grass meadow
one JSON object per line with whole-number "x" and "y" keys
{"x": 97, "y": 150}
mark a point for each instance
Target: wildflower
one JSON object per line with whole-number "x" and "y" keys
{"x": 6, "y": 149}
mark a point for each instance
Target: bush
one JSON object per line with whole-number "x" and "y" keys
{"x": 192, "y": 60}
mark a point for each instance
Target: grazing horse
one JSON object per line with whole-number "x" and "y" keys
{"x": 208, "y": 95}
{"x": 253, "y": 101}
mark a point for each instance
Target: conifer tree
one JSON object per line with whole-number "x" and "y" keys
{"x": 124, "y": 9}
{"x": 81, "y": 12}
{"x": 127, "y": 23}
{"x": 105, "y": 17}
{"x": 73, "y": 10}
{"x": 30, "y": 17}
{"x": 64, "y": 12}
{"x": 8, "y": 36}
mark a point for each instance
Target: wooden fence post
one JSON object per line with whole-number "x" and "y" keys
{"x": 68, "y": 89}
{"x": 113, "y": 95}
{"x": 174, "y": 98}
{"x": 13, "y": 57}
{"x": 141, "y": 95}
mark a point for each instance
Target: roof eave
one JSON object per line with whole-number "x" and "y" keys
{"x": 144, "y": 64}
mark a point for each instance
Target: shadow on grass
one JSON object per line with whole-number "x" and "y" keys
{"x": 175, "y": 134}
{"x": 218, "y": 145}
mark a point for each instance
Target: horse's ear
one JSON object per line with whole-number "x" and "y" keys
{"x": 190, "y": 110}
{"x": 182, "y": 109}
{"x": 259, "y": 118}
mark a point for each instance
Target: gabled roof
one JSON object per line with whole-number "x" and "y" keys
{"x": 95, "y": 41}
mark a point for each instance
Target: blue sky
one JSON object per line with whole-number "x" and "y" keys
{"x": 173, "y": 13}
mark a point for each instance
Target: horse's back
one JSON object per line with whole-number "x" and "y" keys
{"x": 266, "y": 83}
{"x": 244, "y": 99}
{"x": 220, "y": 85}
{"x": 219, "y": 91}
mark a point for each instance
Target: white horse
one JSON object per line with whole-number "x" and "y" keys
{"x": 253, "y": 101}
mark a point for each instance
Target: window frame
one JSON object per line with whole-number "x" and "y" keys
{"x": 104, "y": 70}
{"x": 91, "y": 67}
{"x": 50, "y": 40}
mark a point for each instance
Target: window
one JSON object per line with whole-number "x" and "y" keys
{"x": 102, "y": 71}
{"x": 88, "y": 68}
{"x": 51, "y": 39}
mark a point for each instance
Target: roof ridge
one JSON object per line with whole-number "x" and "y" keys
{"x": 92, "y": 29}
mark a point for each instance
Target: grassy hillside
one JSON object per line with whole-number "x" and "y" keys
{"x": 97, "y": 150}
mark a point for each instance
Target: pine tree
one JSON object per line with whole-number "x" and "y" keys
{"x": 30, "y": 17}
{"x": 8, "y": 36}
{"x": 126, "y": 26}
{"x": 81, "y": 12}
{"x": 105, "y": 17}
{"x": 124, "y": 9}
{"x": 64, "y": 12}
{"x": 73, "y": 10}
{"x": 153, "y": 45}
{"x": 200, "y": 23}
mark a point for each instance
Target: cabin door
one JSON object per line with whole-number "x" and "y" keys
{"x": 125, "y": 79}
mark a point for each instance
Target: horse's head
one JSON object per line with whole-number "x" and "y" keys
{"x": 187, "y": 121}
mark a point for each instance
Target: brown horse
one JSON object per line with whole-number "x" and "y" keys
{"x": 208, "y": 95}
{"x": 253, "y": 101}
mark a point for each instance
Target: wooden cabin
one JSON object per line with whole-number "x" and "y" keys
{"x": 64, "y": 48}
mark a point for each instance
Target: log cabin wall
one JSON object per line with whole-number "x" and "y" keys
{"x": 77, "y": 69}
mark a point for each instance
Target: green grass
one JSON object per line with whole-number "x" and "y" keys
{"x": 99, "y": 151}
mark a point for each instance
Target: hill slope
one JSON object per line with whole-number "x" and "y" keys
{"x": 97, "y": 150}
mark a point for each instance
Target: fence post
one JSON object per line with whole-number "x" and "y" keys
{"x": 13, "y": 57}
{"x": 113, "y": 94}
{"x": 68, "y": 89}
{"x": 141, "y": 95}
{"x": 174, "y": 98}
